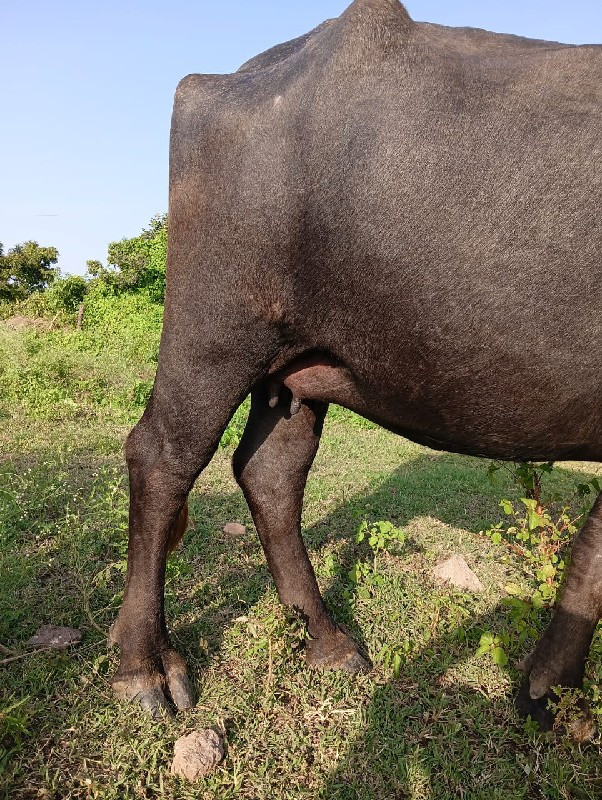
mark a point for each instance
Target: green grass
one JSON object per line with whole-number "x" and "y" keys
{"x": 442, "y": 727}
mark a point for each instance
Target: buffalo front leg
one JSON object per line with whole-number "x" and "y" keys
{"x": 560, "y": 656}
{"x": 271, "y": 465}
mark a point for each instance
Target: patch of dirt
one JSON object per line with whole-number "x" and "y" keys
{"x": 20, "y": 323}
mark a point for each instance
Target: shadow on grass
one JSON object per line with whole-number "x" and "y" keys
{"x": 426, "y": 733}
{"x": 421, "y": 732}
{"x": 448, "y": 489}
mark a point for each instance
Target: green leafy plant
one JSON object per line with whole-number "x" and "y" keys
{"x": 142, "y": 391}
{"x": 540, "y": 538}
{"x": 394, "y": 658}
{"x": 494, "y": 646}
{"x": 572, "y": 713}
{"x": 379, "y": 536}
{"x": 525, "y": 474}
{"x": 541, "y": 534}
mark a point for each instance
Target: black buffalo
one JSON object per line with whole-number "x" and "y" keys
{"x": 402, "y": 218}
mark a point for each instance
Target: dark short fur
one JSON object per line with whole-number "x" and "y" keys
{"x": 401, "y": 218}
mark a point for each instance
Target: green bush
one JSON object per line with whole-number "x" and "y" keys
{"x": 128, "y": 324}
{"x": 66, "y": 293}
{"x": 60, "y": 301}
{"x": 540, "y": 530}
{"x": 137, "y": 263}
{"x": 108, "y": 367}
{"x": 7, "y": 309}
{"x": 63, "y": 372}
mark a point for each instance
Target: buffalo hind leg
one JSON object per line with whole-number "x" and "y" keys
{"x": 271, "y": 465}
{"x": 560, "y": 655}
{"x": 173, "y": 442}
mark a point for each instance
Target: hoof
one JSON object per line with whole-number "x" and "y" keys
{"x": 178, "y": 683}
{"x": 553, "y": 664}
{"x": 336, "y": 652}
{"x": 355, "y": 664}
{"x": 153, "y": 703}
{"x": 537, "y": 709}
{"x": 579, "y": 726}
{"x": 146, "y": 689}
{"x": 154, "y": 684}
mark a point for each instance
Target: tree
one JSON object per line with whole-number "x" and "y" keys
{"x": 66, "y": 293}
{"x": 25, "y": 269}
{"x": 137, "y": 263}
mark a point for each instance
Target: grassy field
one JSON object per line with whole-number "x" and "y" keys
{"x": 431, "y": 720}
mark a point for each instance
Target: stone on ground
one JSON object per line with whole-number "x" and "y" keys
{"x": 197, "y": 754}
{"x": 55, "y": 637}
{"x": 234, "y": 529}
{"x": 456, "y": 572}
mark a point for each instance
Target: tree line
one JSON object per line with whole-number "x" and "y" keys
{"x": 31, "y": 282}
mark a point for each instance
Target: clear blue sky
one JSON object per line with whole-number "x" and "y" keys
{"x": 87, "y": 89}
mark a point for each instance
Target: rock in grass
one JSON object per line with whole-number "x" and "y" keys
{"x": 197, "y": 754}
{"x": 54, "y": 637}
{"x": 456, "y": 572}
{"x": 234, "y": 529}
